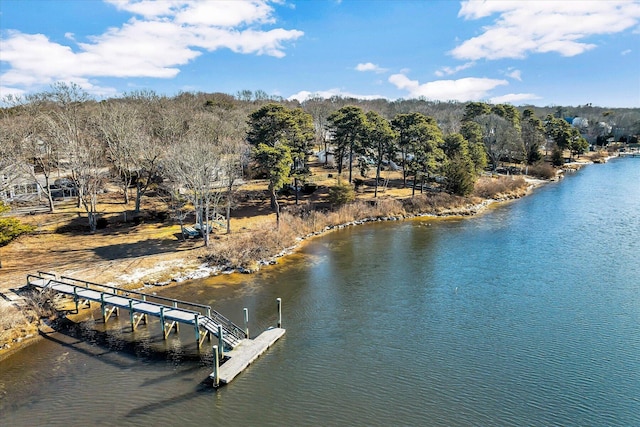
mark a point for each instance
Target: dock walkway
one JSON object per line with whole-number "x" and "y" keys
{"x": 205, "y": 321}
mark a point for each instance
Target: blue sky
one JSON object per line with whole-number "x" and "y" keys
{"x": 521, "y": 52}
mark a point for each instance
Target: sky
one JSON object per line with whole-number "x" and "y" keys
{"x": 542, "y": 53}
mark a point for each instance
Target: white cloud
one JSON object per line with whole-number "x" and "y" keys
{"x": 369, "y": 66}
{"x": 514, "y": 74}
{"x": 303, "y": 95}
{"x": 542, "y": 26}
{"x": 467, "y": 89}
{"x": 513, "y": 97}
{"x": 447, "y": 71}
{"x": 148, "y": 8}
{"x": 9, "y": 91}
{"x": 226, "y": 13}
{"x": 625, "y": 52}
{"x": 168, "y": 35}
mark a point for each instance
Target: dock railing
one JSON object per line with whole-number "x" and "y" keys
{"x": 170, "y": 302}
{"x": 205, "y": 310}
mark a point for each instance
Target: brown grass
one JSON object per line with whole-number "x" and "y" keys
{"x": 435, "y": 203}
{"x": 542, "y": 171}
{"x": 15, "y": 323}
{"x": 599, "y": 156}
{"x": 502, "y": 187}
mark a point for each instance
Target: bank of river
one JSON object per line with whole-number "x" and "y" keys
{"x": 526, "y": 315}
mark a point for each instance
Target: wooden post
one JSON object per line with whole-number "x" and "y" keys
{"x": 197, "y": 328}
{"x": 279, "y": 300}
{"x": 164, "y": 334}
{"x": 75, "y": 298}
{"x": 104, "y": 313}
{"x": 220, "y": 342}
{"x": 216, "y": 367}
{"x": 133, "y": 325}
{"x": 246, "y": 321}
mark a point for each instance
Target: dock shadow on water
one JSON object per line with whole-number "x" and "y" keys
{"x": 115, "y": 344}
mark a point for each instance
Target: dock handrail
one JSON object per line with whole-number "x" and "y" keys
{"x": 228, "y": 325}
{"x": 44, "y": 273}
{"x": 39, "y": 277}
{"x": 205, "y": 308}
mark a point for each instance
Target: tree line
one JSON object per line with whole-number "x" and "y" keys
{"x": 201, "y": 146}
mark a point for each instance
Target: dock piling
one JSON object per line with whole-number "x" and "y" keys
{"x": 220, "y": 342}
{"x": 197, "y": 330}
{"x": 131, "y": 316}
{"x": 216, "y": 367}
{"x": 246, "y": 321}
{"x": 279, "y": 300}
{"x": 164, "y": 334}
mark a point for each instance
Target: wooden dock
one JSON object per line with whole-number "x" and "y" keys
{"x": 206, "y": 322}
{"x": 239, "y": 351}
{"x": 244, "y": 354}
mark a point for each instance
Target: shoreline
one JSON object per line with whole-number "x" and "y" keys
{"x": 201, "y": 270}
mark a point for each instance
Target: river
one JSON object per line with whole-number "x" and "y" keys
{"x": 526, "y": 315}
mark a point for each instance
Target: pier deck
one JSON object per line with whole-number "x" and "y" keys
{"x": 246, "y": 352}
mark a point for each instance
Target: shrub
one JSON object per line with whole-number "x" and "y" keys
{"x": 341, "y": 194}
{"x": 542, "y": 171}
{"x": 10, "y": 228}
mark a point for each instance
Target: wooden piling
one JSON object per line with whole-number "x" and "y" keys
{"x": 216, "y": 367}
{"x": 246, "y": 321}
{"x": 220, "y": 342}
{"x": 279, "y": 300}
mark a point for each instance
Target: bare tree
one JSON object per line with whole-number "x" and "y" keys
{"x": 193, "y": 165}
{"x": 68, "y": 125}
{"x": 8, "y": 170}
{"x": 319, "y": 108}
{"x": 229, "y": 126}
{"x": 119, "y": 127}
{"x": 28, "y": 148}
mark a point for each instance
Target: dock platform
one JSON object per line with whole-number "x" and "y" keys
{"x": 245, "y": 353}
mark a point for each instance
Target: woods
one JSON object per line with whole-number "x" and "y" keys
{"x": 194, "y": 150}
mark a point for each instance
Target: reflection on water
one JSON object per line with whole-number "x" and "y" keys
{"x": 527, "y": 315}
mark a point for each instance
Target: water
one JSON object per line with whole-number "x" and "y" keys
{"x": 526, "y": 315}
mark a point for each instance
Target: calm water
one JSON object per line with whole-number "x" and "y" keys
{"x": 527, "y": 315}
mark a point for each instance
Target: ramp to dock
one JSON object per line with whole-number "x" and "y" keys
{"x": 206, "y": 322}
